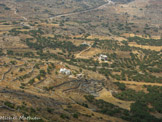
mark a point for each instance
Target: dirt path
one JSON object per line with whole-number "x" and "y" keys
{"x": 3, "y": 76}
{"x": 15, "y": 11}
{"x": 140, "y": 83}
{"x": 79, "y": 54}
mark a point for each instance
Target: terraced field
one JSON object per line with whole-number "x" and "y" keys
{"x": 51, "y": 66}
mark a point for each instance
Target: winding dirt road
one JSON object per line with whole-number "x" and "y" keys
{"x": 79, "y": 54}
{"x": 83, "y": 11}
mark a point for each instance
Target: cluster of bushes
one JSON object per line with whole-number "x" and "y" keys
{"x": 142, "y": 41}
{"x": 107, "y": 108}
{"x": 139, "y": 111}
{"x": 121, "y": 86}
{"x": 130, "y": 95}
{"x": 51, "y": 43}
{"x": 42, "y": 73}
{"x": 50, "y": 68}
{"x": 152, "y": 98}
{"x": 1, "y": 52}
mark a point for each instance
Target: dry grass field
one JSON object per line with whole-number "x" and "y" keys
{"x": 141, "y": 83}
{"x": 107, "y": 96}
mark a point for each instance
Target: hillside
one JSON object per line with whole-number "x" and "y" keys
{"x": 81, "y": 60}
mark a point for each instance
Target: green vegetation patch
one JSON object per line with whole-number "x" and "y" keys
{"x": 142, "y": 41}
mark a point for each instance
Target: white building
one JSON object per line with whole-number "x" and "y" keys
{"x": 65, "y": 71}
{"x": 85, "y": 43}
{"x": 103, "y": 57}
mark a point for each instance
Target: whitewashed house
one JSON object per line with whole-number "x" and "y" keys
{"x": 85, "y": 43}
{"x": 103, "y": 57}
{"x": 65, "y": 71}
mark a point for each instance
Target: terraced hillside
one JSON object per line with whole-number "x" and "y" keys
{"x": 80, "y": 60}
